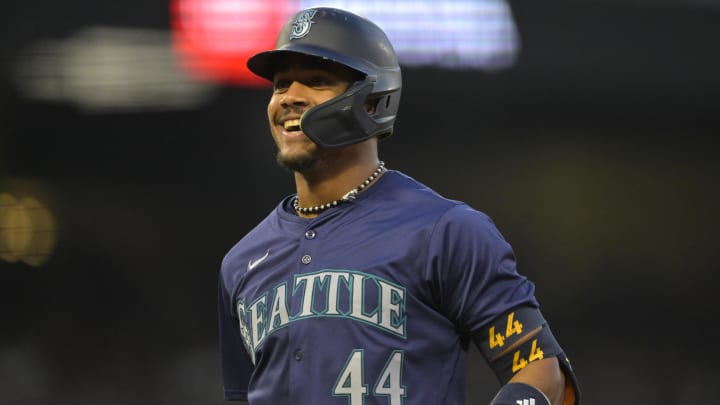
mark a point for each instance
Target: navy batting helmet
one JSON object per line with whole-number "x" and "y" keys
{"x": 357, "y": 43}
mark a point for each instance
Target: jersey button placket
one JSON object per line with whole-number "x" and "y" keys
{"x": 298, "y": 359}
{"x": 310, "y": 234}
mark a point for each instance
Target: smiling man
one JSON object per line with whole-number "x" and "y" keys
{"x": 365, "y": 286}
{"x": 300, "y": 83}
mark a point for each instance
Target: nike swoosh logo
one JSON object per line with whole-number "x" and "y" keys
{"x": 253, "y": 263}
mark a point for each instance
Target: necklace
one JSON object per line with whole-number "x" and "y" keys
{"x": 349, "y": 196}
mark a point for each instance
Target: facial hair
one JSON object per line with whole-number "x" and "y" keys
{"x": 297, "y": 163}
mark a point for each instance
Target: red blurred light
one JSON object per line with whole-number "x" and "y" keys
{"x": 215, "y": 38}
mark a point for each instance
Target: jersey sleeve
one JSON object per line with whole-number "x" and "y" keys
{"x": 475, "y": 269}
{"x": 236, "y": 364}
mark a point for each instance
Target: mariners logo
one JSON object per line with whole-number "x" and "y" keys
{"x": 302, "y": 24}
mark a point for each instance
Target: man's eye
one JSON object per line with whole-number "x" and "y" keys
{"x": 320, "y": 81}
{"x": 281, "y": 85}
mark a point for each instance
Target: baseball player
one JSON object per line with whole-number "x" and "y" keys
{"x": 365, "y": 286}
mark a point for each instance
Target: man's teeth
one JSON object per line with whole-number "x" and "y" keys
{"x": 292, "y": 125}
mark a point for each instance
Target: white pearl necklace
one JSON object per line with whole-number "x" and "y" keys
{"x": 349, "y": 196}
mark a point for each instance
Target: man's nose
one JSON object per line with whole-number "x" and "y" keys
{"x": 295, "y": 95}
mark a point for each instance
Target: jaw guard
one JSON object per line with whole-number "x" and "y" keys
{"x": 344, "y": 120}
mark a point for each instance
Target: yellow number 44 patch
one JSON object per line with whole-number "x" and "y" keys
{"x": 535, "y": 354}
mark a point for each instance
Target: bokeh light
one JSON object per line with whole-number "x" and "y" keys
{"x": 214, "y": 38}
{"x": 27, "y": 230}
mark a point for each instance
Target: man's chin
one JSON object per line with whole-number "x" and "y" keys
{"x": 297, "y": 162}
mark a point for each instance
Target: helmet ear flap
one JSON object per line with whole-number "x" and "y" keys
{"x": 386, "y": 109}
{"x": 344, "y": 120}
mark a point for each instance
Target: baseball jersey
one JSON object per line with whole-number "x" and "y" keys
{"x": 371, "y": 302}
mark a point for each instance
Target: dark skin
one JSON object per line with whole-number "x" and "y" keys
{"x": 323, "y": 175}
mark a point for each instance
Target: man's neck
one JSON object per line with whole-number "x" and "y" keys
{"x": 324, "y": 184}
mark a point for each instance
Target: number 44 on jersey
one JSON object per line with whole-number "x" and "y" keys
{"x": 351, "y": 381}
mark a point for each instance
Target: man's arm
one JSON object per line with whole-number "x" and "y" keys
{"x": 527, "y": 359}
{"x": 547, "y": 376}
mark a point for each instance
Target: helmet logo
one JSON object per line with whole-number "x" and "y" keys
{"x": 302, "y": 24}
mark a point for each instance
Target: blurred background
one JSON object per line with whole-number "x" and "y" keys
{"x": 134, "y": 153}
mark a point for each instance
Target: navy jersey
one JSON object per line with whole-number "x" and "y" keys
{"x": 372, "y": 302}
